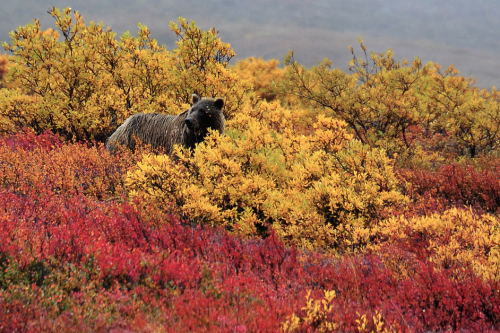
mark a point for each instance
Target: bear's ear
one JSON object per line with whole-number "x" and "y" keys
{"x": 195, "y": 99}
{"x": 219, "y": 103}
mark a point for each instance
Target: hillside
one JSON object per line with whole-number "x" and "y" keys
{"x": 460, "y": 33}
{"x": 295, "y": 199}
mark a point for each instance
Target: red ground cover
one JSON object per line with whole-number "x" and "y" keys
{"x": 76, "y": 262}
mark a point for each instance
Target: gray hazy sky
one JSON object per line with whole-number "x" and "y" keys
{"x": 463, "y": 33}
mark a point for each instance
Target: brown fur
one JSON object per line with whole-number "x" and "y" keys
{"x": 165, "y": 131}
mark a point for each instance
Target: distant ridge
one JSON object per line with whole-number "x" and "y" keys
{"x": 465, "y": 34}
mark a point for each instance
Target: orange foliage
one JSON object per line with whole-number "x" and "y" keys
{"x": 4, "y": 61}
{"x": 68, "y": 168}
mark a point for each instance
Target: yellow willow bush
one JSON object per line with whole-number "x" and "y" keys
{"x": 4, "y": 65}
{"x": 468, "y": 115}
{"x": 263, "y": 74}
{"x": 317, "y": 190}
{"x": 317, "y": 313}
{"x": 403, "y": 107}
{"x": 457, "y": 236}
{"x": 18, "y": 110}
{"x": 87, "y": 82}
{"x": 200, "y": 64}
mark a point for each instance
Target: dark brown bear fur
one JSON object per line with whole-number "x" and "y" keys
{"x": 164, "y": 131}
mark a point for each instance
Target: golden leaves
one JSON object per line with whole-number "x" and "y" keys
{"x": 456, "y": 236}
{"x": 263, "y": 171}
{"x": 90, "y": 82}
{"x": 400, "y": 106}
{"x": 263, "y": 75}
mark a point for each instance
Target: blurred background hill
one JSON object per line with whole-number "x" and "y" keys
{"x": 458, "y": 32}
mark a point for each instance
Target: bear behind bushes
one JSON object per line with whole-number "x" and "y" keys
{"x": 164, "y": 131}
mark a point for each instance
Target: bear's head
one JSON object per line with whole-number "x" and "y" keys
{"x": 205, "y": 113}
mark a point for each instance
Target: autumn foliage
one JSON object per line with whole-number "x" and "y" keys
{"x": 401, "y": 106}
{"x": 315, "y": 191}
{"x": 83, "y": 92}
{"x": 4, "y": 61}
{"x": 262, "y": 74}
{"x": 353, "y": 202}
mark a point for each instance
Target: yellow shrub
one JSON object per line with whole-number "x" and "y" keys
{"x": 316, "y": 314}
{"x": 89, "y": 82}
{"x": 467, "y": 114}
{"x": 403, "y": 107}
{"x": 200, "y": 64}
{"x": 19, "y": 110}
{"x": 314, "y": 190}
{"x": 4, "y": 62}
{"x": 316, "y": 317}
{"x": 456, "y": 236}
{"x": 262, "y": 74}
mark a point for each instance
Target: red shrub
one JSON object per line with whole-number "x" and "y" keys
{"x": 28, "y": 140}
{"x": 454, "y": 185}
{"x": 202, "y": 279}
{"x": 72, "y": 263}
{"x": 28, "y": 162}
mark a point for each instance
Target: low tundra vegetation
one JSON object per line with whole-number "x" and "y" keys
{"x": 364, "y": 201}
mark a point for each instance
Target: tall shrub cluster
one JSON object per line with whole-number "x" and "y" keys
{"x": 81, "y": 82}
{"x": 314, "y": 190}
{"x": 262, "y": 74}
{"x": 404, "y": 107}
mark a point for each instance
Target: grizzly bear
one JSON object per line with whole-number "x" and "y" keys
{"x": 164, "y": 131}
